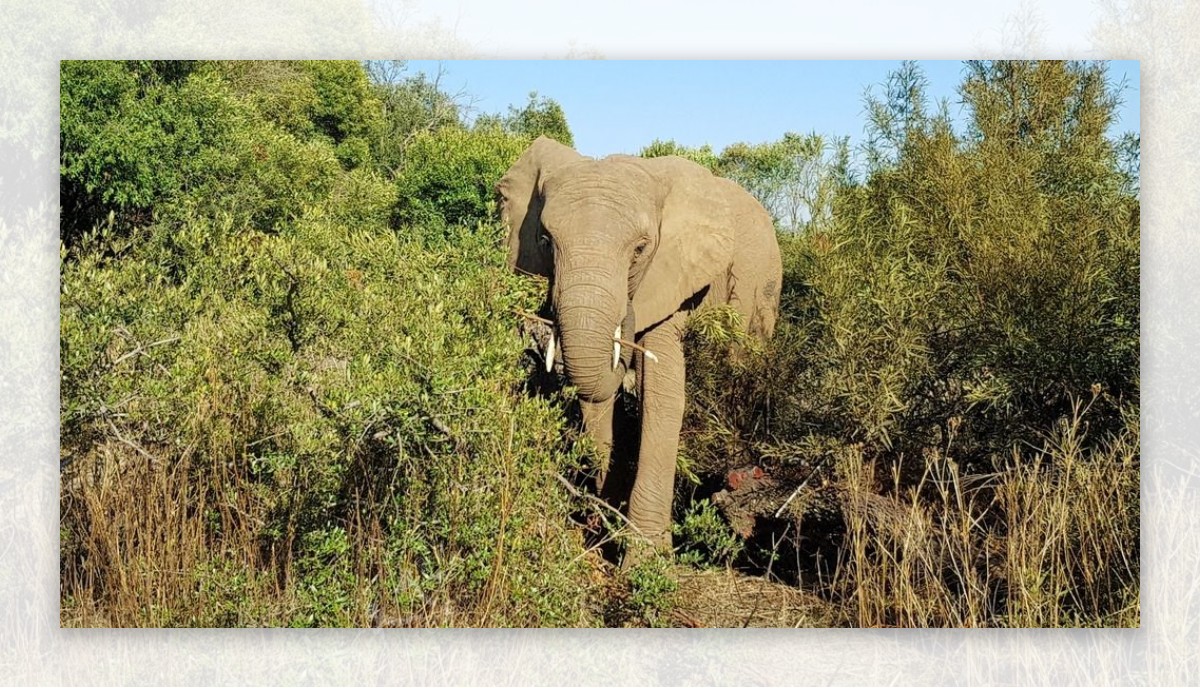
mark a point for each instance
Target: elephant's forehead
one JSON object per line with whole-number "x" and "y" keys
{"x": 594, "y": 198}
{"x": 596, "y": 176}
{"x": 594, "y": 213}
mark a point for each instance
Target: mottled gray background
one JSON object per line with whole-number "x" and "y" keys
{"x": 35, "y": 36}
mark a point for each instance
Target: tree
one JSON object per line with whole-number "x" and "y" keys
{"x": 330, "y": 99}
{"x": 142, "y": 140}
{"x": 540, "y": 117}
{"x": 119, "y": 122}
{"x": 703, "y": 155}
{"x": 410, "y": 106}
{"x": 989, "y": 276}
{"x": 795, "y": 178}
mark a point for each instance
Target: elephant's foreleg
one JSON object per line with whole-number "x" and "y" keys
{"x": 662, "y": 398}
{"x": 598, "y": 423}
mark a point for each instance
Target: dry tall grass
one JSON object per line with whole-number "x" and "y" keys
{"x": 1049, "y": 541}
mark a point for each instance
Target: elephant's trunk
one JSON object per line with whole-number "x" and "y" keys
{"x": 589, "y": 314}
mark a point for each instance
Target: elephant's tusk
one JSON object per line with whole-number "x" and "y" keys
{"x": 550, "y": 353}
{"x": 616, "y": 346}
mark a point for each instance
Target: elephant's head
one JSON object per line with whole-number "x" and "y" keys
{"x": 625, "y": 242}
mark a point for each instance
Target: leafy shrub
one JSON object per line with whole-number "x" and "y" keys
{"x": 330, "y": 99}
{"x": 281, "y": 90}
{"x": 119, "y": 121}
{"x": 409, "y": 105}
{"x": 449, "y": 175}
{"x": 332, "y": 406}
{"x": 652, "y": 590}
{"x": 347, "y": 108}
{"x": 263, "y": 161}
{"x": 969, "y": 290}
{"x": 702, "y": 538}
{"x": 954, "y": 310}
{"x": 996, "y": 285}
{"x": 278, "y": 411}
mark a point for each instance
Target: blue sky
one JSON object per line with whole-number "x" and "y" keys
{"x": 620, "y": 106}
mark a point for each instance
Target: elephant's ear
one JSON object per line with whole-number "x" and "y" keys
{"x": 521, "y": 203}
{"x": 695, "y": 241}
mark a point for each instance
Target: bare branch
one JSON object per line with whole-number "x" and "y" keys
{"x": 141, "y": 348}
{"x": 601, "y": 503}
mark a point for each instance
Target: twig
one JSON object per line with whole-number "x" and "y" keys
{"x": 441, "y": 427}
{"x": 141, "y": 348}
{"x": 799, "y": 487}
{"x": 325, "y": 410}
{"x": 129, "y": 443}
{"x": 637, "y": 347}
{"x": 264, "y": 439}
{"x": 528, "y": 273}
{"x": 596, "y": 500}
{"x": 531, "y": 316}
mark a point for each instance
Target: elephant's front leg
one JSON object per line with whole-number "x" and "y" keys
{"x": 662, "y": 397}
{"x": 598, "y": 424}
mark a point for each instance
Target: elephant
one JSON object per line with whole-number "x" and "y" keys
{"x": 630, "y": 247}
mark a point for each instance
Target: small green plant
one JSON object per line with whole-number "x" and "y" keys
{"x": 704, "y": 539}
{"x": 652, "y": 590}
{"x": 326, "y": 582}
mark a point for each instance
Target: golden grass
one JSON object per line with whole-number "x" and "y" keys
{"x": 723, "y": 598}
{"x": 1050, "y": 541}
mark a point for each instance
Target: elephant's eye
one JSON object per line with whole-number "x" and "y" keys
{"x": 544, "y": 239}
{"x": 640, "y": 248}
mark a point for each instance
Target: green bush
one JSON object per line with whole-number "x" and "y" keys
{"x": 278, "y": 411}
{"x": 970, "y": 290}
{"x": 409, "y": 105}
{"x": 347, "y": 107}
{"x": 449, "y": 175}
{"x": 346, "y": 405}
{"x": 959, "y": 308}
{"x": 331, "y": 99}
{"x": 652, "y": 591}
{"x": 985, "y": 282}
{"x": 262, "y": 161}
{"x": 119, "y": 122}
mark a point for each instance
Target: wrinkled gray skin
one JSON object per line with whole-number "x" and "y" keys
{"x": 638, "y": 243}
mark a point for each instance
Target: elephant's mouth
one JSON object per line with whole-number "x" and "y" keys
{"x": 623, "y": 350}
{"x": 550, "y": 349}
{"x": 551, "y": 345}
